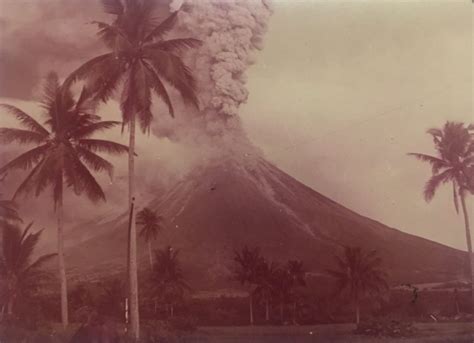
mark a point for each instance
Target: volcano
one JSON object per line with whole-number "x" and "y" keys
{"x": 229, "y": 203}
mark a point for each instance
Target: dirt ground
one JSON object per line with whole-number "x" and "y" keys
{"x": 337, "y": 333}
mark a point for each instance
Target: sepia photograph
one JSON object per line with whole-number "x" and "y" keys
{"x": 236, "y": 171}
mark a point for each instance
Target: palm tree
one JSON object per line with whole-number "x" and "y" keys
{"x": 248, "y": 262}
{"x": 266, "y": 274}
{"x": 19, "y": 273}
{"x": 298, "y": 279}
{"x": 168, "y": 279}
{"x": 63, "y": 156}
{"x": 282, "y": 285}
{"x": 453, "y": 163}
{"x": 358, "y": 273}
{"x": 151, "y": 224}
{"x": 144, "y": 61}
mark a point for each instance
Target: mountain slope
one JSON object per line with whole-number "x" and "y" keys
{"x": 231, "y": 203}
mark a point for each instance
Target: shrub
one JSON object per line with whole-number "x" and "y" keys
{"x": 386, "y": 327}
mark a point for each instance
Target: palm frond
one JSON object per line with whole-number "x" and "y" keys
{"x": 28, "y": 243}
{"x": 434, "y": 182}
{"x": 98, "y": 145}
{"x": 82, "y": 177}
{"x": 47, "y": 174}
{"x": 40, "y": 261}
{"x": 435, "y": 162}
{"x": 105, "y": 81}
{"x": 85, "y": 131}
{"x": 110, "y": 33}
{"x": 95, "y": 162}
{"x": 26, "y": 160}
{"x": 50, "y": 90}
{"x": 25, "y": 119}
{"x": 28, "y": 183}
{"x": 10, "y": 135}
{"x": 88, "y": 69}
{"x": 11, "y": 245}
{"x": 162, "y": 29}
{"x": 435, "y": 132}
{"x": 26, "y": 230}
{"x": 172, "y": 69}
{"x": 142, "y": 97}
{"x": 113, "y": 6}
{"x": 85, "y": 104}
{"x": 176, "y": 45}
{"x": 150, "y": 222}
{"x": 160, "y": 89}
{"x": 8, "y": 211}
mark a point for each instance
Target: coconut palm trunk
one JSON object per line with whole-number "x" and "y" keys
{"x": 462, "y": 195}
{"x": 267, "y": 310}
{"x": 133, "y": 268}
{"x": 61, "y": 264}
{"x": 357, "y": 312}
{"x": 294, "y": 313}
{"x": 150, "y": 254}
{"x": 251, "y": 308}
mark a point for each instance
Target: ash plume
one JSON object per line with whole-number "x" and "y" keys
{"x": 232, "y": 32}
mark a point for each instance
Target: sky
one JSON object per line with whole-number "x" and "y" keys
{"x": 350, "y": 87}
{"x": 340, "y": 93}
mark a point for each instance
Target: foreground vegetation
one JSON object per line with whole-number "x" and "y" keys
{"x": 281, "y": 296}
{"x": 338, "y": 333}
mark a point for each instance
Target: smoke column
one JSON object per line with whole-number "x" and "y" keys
{"x": 231, "y": 32}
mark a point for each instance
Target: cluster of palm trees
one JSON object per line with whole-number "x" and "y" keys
{"x": 140, "y": 62}
{"x": 453, "y": 164}
{"x": 268, "y": 281}
{"x": 358, "y": 275}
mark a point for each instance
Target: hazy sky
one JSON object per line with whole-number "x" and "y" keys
{"x": 339, "y": 95}
{"x": 344, "y": 89}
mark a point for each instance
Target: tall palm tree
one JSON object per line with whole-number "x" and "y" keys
{"x": 151, "y": 224}
{"x": 359, "y": 275}
{"x": 19, "y": 273}
{"x": 168, "y": 279}
{"x": 248, "y": 263}
{"x": 141, "y": 58}
{"x": 63, "y": 156}
{"x": 453, "y": 163}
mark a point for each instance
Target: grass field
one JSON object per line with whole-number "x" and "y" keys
{"x": 338, "y": 333}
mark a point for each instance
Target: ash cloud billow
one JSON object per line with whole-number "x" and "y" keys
{"x": 231, "y": 32}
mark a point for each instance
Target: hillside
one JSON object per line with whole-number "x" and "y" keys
{"x": 229, "y": 203}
